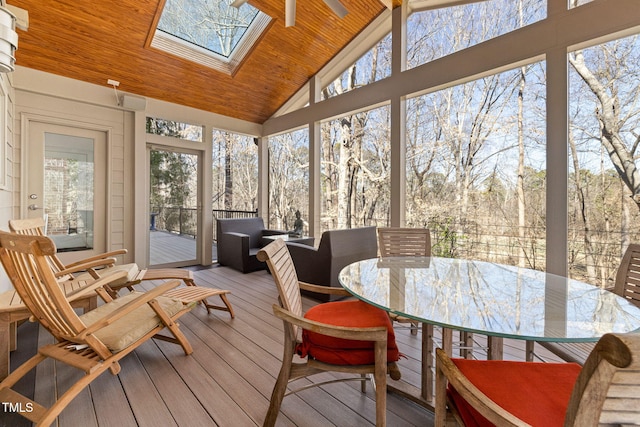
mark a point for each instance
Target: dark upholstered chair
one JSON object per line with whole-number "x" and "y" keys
{"x": 337, "y": 249}
{"x": 239, "y": 240}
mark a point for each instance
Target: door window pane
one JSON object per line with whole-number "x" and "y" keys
{"x": 69, "y": 191}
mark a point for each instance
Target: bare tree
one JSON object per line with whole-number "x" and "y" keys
{"x": 604, "y": 83}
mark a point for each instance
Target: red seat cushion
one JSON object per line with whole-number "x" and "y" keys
{"x": 537, "y": 393}
{"x": 340, "y": 351}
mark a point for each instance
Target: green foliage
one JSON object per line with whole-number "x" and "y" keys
{"x": 444, "y": 238}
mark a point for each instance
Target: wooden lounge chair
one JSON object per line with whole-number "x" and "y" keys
{"x": 104, "y": 264}
{"x": 394, "y": 241}
{"x": 627, "y": 285}
{"x": 94, "y": 341}
{"x": 343, "y": 336}
{"x": 507, "y": 393}
{"x": 13, "y": 311}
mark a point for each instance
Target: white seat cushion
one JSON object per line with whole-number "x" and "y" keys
{"x": 131, "y": 269}
{"x": 128, "y": 329}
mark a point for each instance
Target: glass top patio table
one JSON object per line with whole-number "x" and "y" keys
{"x": 491, "y": 299}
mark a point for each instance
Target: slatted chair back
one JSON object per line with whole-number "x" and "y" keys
{"x": 28, "y": 226}
{"x": 628, "y": 276}
{"x": 25, "y": 261}
{"x": 394, "y": 241}
{"x": 284, "y": 274}
{"x": 606, "y": 392}
{"x": 35, "y": 227}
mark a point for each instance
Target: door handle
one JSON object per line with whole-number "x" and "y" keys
{"x": 33, "y": 207}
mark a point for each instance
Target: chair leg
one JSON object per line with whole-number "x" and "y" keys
{"x": 52, "y": 413}
{"x": 21, "y": 371}
{"x": 279, "y": 389}
{"x": 46, "y": 416}
{"x": 227, "y": 305}
{"x": 380, "y": 375}
{"x": 276, "y": 397}
{"x": 173, "y": 327}
{"x": 441, "y": 398}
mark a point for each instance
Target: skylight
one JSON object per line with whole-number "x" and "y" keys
{"x": 209, "y": 32}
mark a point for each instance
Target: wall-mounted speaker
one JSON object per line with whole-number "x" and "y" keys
{"x": 131, "y": 102}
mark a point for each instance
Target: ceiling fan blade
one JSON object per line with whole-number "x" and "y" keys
{"x": 337, "y": 7}
{"x": 289, "y": 13}
{"x": 238, "y": 3}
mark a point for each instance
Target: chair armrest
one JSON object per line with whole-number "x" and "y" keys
{"x": 106, "y": 255}
{"x": 87, "y": 266}
{"x": 447, "y": 371}
{"x": 144, "y": 298}
{"x": 377, "y": 333}
{"x": 266, "y": 232}
{"x": 92, "y": 286}
{"x": 234, "y": 234}
{"x": 321, "y": 289}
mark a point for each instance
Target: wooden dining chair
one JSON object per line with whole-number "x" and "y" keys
{"x": 507, "y": 393}
{"x": 341, "y": 336}
{"x": 104, "y": 264}
{"x": 627, "y": 285}
{"x": 92, "y": 342}
{"x": 395, "y": 241}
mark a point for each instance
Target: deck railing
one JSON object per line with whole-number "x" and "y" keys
{"x": 183, "y": 221}
{"x": 495, "y": 243}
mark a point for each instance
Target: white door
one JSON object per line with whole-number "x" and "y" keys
{"x": 66, "y": 183}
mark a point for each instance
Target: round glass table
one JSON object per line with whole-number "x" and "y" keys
{"x": 492, "y": 299}
{"x": 496, "y": 300}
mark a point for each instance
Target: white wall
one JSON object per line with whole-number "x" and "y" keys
{"x": 8, "y": 171}
{"x": 37, "y": 107}
{"x": 35, "y": 94}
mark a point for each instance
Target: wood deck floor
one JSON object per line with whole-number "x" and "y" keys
{"x": 228, "y": 379}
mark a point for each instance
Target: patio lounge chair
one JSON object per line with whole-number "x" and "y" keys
{"x": 508, "y": 393}
{"x": 94, "y": 341}
{"x": 101, "y": 265}
{"x": 343, "y": 336}
{"x": 13, "y": 311}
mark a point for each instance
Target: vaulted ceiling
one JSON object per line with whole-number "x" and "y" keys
{"x": 97, "y": 40}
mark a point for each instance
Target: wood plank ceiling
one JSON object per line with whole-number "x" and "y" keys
{"x": 93, "y": 41}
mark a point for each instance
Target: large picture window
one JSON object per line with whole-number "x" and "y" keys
{"x": 604, "y": 178}
{"x": 355, "y": 170}
{"x": 435, "y": 33}
{"x": 476, "y": 167}
{"x": 289, "y": 180}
